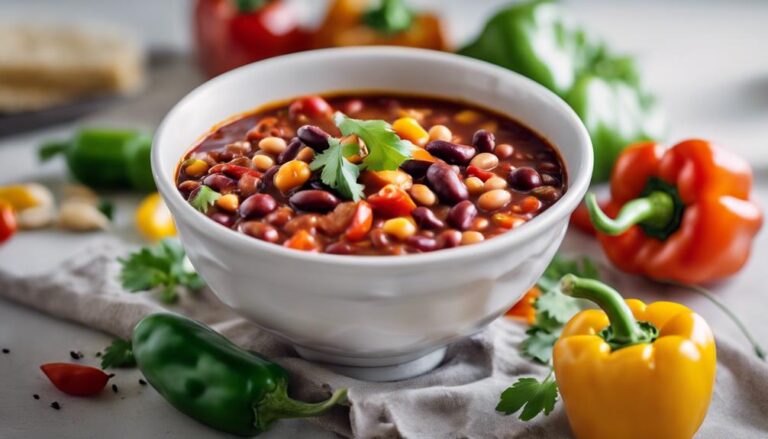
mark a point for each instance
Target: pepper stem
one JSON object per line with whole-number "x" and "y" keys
{"x": 655, "y": 210}
{"x": 734, "y": 318}
{"x": 392, "y": 16}
{"x": 278, "y": 405}
{"x": 624, "y": 330}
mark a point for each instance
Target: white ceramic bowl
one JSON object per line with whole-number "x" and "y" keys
{"x": 374, "y": 317}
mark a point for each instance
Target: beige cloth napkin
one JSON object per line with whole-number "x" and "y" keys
{"x": 456, "y": 400}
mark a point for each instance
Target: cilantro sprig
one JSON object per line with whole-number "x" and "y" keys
{"x": 553, "y": 310}
{"x": 338, "y": 172}
{"x": 386, "y": 151}
{"x": 161, "y": 267}
{"x": 118, "y": 354}
{"x": 204, "y": 198}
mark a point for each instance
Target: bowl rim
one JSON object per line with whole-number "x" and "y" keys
{"x": 579, "y": 181}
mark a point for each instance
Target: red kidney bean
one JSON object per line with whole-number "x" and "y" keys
{"x": 549, "y": 180}
{"x": 426, "y": 219}
{"x": 524, "y": 179}
{"x": 220, "y": 183}
{"x": 313, "y": 200}
{"x": 257, "y": 205}
{"x": 259, "y": 230}
{"x": 446, "y": 183}
{"x": 280, "y": 216}
{"x": 291, "y": 151}
{"x": 462, "y": 215}
{"x": 452, "y": 153}
{"x": 379, "y": 238}
{"x": 314, "y": 137}
{"x": 223, "y": 219}
{"x": 422, "y": 243}
{"x": 548, "y": 167}
{"x": 234, "y": 171}
{"x": 416, "y": 168}
{"x": 339, "y": 248}
{"x": 449, "y": 238}
{"x": 248, "y": 185}
{"x": 484, "y": 141}
{"x": 188, "y": 186}
{"x": 268, "y": 179}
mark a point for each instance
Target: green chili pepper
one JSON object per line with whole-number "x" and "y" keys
{"x": 537, "y": 40}
{"x": 139, "y": 166}
{"x": 209, "y": 378}
{"x": 105, "y": 158}
{"x": 391, "y": 17}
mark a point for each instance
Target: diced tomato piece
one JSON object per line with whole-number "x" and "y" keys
{"x": 302, "y": 240}
{"x": 8, "y": 223}
{"x": 479, "y": 173}
{"x": 391, "y": 201}
{"x": 362, "y": 220}
{"x": 313, "y": 107}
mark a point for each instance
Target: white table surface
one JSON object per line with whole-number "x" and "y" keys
{"x": 706, "y": 60}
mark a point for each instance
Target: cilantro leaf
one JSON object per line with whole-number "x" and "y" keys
{"x": 338, "y": 172}
{"x": 204, "y": 198}
{"x": 163, "y": 266}
{"x": 557, "y": 306}
{"x": 118, "y": 354}
{"x": 386, "y": 151}
{"x": 532, "y": 396}
{"x": 561, "y": 266}
{"x": 538, "y": 346}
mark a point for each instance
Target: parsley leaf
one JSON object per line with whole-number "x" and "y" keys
{"x": 338, "y": 172}
{"x": 561, "y": 266}
{"x": 532, "y": 396}
{"x": 538, "y": 346}
{"x": 386, "y": 151}
{"x": 162, "y": 266}
{"x": 204, "y": 198}
{"x": 555, "y": 305}
{"x": 118, "y": 354}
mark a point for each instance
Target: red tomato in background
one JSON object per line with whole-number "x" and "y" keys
{"x": 227, "y": 38}
{"x": 7, "y": 222}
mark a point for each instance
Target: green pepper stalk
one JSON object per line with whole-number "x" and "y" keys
{"x": 391, "y": 17}
{"x": 212, "y": 380}
{"x": 624, "y": 330}
{"x": 658, "y": 212}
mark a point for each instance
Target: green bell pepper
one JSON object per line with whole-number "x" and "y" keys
{"x": 209, "y": 378}
{"x": 106, "y": 158}
{"x": 537, "y": 40}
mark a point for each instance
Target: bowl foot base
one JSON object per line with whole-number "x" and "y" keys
{"x": 379, "y": 369}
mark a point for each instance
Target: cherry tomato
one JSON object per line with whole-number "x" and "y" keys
{"x": 361, "y": 223}
{"x": 313, "y": 107}
{"x": 391, "y": 201}
{"x": 8, "y": 223}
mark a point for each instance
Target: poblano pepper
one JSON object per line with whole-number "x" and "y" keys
{"x": 209, "y": 378}
{"x": 536, "y": 40}
{"x": 106, "y": 158}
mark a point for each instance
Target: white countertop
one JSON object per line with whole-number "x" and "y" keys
{"x": 706, "y": 60}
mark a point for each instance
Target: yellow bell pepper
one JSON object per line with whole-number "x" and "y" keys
{"x": 153, "y": 219}
{"x": 633, "y": 371}
{"x": 26, "y": 196}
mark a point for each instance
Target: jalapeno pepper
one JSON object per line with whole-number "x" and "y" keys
{"x": 683, "y": 214}
{"x": 106, "y": 159}
{"x": 535, "y": 39}
{"x": 209, "y": 378}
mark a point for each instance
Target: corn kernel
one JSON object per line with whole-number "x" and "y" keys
{"x": 408, "y": 128}
{"x": 401, "y": 228}
{"x": 228, "y": 202}
{"x": 292, "y": 174}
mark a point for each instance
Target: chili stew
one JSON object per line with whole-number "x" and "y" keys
{"x": 372, "y": 174}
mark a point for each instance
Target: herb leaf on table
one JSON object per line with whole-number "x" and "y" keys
{"x": 532, "y": 396}
{"x": 162, "y": 266}
{"x": 118, "y": 354}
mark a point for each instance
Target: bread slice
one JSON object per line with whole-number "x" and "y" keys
{"x": 42, "y": 67}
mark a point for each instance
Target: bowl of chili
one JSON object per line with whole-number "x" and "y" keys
{"x": 455, "y": 258}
